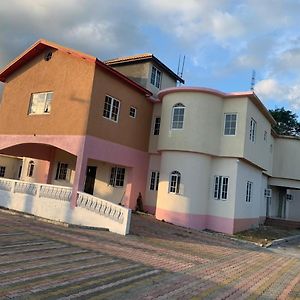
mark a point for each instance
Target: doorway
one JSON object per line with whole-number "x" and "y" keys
{"x": 90, "y": 179}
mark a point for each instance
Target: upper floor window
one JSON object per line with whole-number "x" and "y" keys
{"x": 132, "y": 112}
{"x": 155, "y": 77}
{"x": 2, "y": 171}
{"x": 230, "y": 124}
{"x": 265, "y": 136}
{"x": 177, "y": 116}
{"x": 156, "y": 126}
{"x": 249, "y": 189}
{"x": 30, "y": 168}
{"x": 252, "y": 135}
{"x": 174, "y": 184}
{"x": 111, "y": 108}
{"x": 154, "y": 181}
{"x": 117, "y": 176}
{"x": 40, "y": 103}
{"x": 61, "y": 171}
{"x": 221, "y": 187}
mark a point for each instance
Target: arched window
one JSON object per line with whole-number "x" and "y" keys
{"x": 174, "y": 183}
{"x": 177, "y": 116}
{"x": 30, "y": 168}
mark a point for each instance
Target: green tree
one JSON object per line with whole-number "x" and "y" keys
{"x": 287, "y": 122}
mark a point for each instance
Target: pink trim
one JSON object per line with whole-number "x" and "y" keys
{"x": 150, "y": 209}
{"x": 244, "y": 224}
{"x": 182, "y": 219}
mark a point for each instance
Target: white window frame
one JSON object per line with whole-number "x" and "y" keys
{"x": 30, "y": 168}
{"x": 132, "y": 112}
{"x": 110, "y": 106}
{"x": 249, "y": 191}
{"x": 174, "y": 182}
{"x": 40, "y": 103}
{"x": 62, "y": 171}
{"x": 117, "y": 176}
{"x": 2, "y": 171}
{"x": 156, "y": 126}
{"x": 154, "y": 181}
{"x": 252, "y": 133}
{"x": 221, "y": 187}
{"x": 178, "y": 110}
{"x": 156, "y": 76}
{"x": 231, "y": 128}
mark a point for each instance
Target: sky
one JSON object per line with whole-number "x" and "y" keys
{"x": 223, "y": 40}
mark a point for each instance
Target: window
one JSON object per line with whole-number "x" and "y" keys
{"x": 132, "y": 112}
{"x": 117, "y": 176}
{"x": 230, "y": 124}
{"x": 2, "y": 171}
{"x": 174, "y": 183}
{"x": 221, "y": 187}
{"x": 40, "y": 103}
{"x": 252, "y": 130}
{"x": 156, "y": 126}
{"x": 155, "y": 77}
{"x": 265, "y": 136}
{"x": 30, "y": 168}
{"x": 177, "y": 116}
{"x": 111, "y": 108}
{"x": 61, "y": 171}
{"x": 154, "y": 180}
{"x": 249, "y": 191}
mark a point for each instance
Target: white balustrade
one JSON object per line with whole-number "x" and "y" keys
{"x": 25, "y": 188}
{"x": 55, "y": 192}
{"x": 6, "y": 185}
{"x": 102, "y": 207}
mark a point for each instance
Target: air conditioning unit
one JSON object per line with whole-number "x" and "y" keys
{"x": 289, "y": 197}
{"x": 268, "y": 193}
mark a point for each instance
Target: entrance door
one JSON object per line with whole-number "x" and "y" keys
{"x": 90, "y": 180}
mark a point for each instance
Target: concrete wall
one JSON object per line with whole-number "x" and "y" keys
{"x": 153, "y": 139}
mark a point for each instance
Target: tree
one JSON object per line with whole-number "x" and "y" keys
{"x": 287, "y": 123}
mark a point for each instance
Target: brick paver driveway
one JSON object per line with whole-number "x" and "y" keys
{"x": 40, "y": 260}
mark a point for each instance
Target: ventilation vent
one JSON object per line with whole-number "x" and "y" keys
{"x": 48, "y": 55}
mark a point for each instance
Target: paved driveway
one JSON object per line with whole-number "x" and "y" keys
{"x": 40, "y": 260}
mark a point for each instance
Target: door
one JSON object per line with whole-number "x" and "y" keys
{"x": 90, "y": 179}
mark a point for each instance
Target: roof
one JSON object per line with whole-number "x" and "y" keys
{"x": 39, "y": 46}
{"x": 139, "y": 58}
{"x": 249, "y": 94}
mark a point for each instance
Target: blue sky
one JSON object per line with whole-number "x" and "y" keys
{"x": 223, "y": 40}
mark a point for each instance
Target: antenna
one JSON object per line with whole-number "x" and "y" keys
{"x": 178, "y": 64}
{"x": 180, "y": 75}
{"x": 253, "y": 80}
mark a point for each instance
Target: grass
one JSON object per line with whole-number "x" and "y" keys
{"x": 263, "y": 235}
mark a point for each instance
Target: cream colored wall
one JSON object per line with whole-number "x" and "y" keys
{"x": 151, "y": 196}
{"x": 223, "y": 167}
{"x": 195, "y": 180}
{"x": 233, "y": 145}
{"x": 293, "y": 206}
{"x": 40, "y": 171}
{"x": 153, "y": 139}
{"x": 286, "y": 161}
{"x": 12, "y": 165}
{"x": 250, "y": 209}
{"x": 258, "y": 152}
{"x": 102, "y": 189}
{"x": 203, "y": 123}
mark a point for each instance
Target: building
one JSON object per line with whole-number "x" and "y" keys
{"x": 200, "y": 158}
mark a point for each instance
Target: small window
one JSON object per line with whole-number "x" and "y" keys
{"x": 155, "y": 77}
{"x": 48, "y": 56}
{"x": 230, "y": 124}
{"x": 40, "y": 103}
{"x": 117, "y": 176}
{"x": 30, "y": 168}
{"x": 221, "y": 188}
{"x": 177, "y": 116}
{"x": 156, "y": 126}
{"x": 252, "y": 134}
{"x": 61, "y": 171}
{"x": 154, "y": 180}
{"x": 265, "y": 136}
{"x": 2, "y": 171}
{"x": 249, "y": 189}
{"x": 111, "y": 108}
{"x": 174, "y": 184}
{"x": 132, "y": 112}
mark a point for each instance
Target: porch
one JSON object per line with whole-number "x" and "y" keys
{"x": 53, "y": 202}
